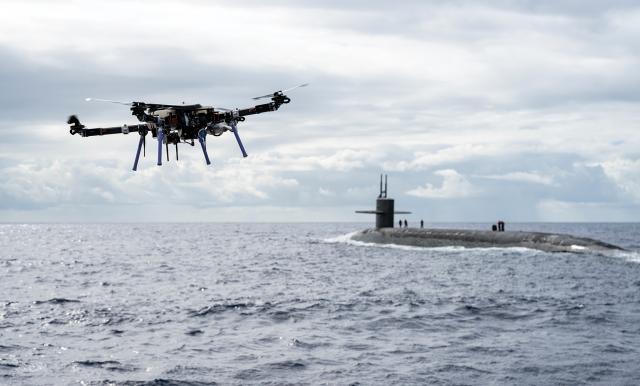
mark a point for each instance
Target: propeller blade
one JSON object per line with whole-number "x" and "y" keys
{"x": 263, "y": 96}
{"x": 281, "y": 91}
{"x": 108, "y": 100}
{"x": 295, "y": 87}
{"x": 158, "y": 106}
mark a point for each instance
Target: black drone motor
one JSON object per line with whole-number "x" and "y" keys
{"x": 76, "y": 126}
{"x": 280, "y": 99}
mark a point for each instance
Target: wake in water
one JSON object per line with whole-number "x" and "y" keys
{"x": 631, "y": 256}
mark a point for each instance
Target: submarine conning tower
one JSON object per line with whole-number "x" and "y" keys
{"x": 384, "y": 208}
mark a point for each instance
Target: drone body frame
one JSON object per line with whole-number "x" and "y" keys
{"x": 174, "y": 124}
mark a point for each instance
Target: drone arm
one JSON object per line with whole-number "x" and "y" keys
{"x": 84, "y": 132}
{"x": 257, "y": 109}
{"x": 274, "y": 105}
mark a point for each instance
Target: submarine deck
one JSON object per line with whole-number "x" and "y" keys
{"x": 430, "y": 237}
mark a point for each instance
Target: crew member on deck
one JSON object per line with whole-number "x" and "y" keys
{"x": 421, "y": 223}
{"x": 405, "y": 223}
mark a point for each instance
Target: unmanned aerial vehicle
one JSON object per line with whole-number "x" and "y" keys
{"x": 174, "y": 124}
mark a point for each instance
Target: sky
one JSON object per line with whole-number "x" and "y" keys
{"x": 476, "y": 110}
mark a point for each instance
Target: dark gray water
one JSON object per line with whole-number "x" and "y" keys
{"x": 299, "y": 304}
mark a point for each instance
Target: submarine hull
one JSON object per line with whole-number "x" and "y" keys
{"x": 430, "y": 238}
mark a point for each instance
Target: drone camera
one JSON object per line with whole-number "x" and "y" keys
{"x": 218, "y": 129}
{"x": 173, "y": 137}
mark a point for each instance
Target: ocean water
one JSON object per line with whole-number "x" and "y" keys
{"x": 200, "y": 304}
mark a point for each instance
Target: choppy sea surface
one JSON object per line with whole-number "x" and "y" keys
{"x": 200, "y": 304}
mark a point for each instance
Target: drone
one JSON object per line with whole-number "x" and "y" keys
{"x": 174, "y": 124}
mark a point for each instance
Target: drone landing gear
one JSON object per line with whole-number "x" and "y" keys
{"x": 235, "y": 132}
{"x": 167, "y": 149}
{"x": 160, "y": 136}
{"x": 141, "y": 145}
{"x": 202, "y": 135}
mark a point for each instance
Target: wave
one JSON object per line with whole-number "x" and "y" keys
{"x": 630, "y": 256}
{"x": 287, "y": 365}
{"x": 110, "y": 365}
{"x": 160, "y": 382}
{"x": 278, "y": 311}
{"x": 56, "y": 301}
{"x": 90, "y": 363}
{"x": 223, "y": 307}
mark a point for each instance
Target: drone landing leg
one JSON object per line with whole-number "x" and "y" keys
{"x": 176, "y": 151}
{"x": 201, "y": 138}
{"x": 235, "y": 132}
{"x": 135, "y": 163}
{"x": 204, "y": 151}
{"x": 160, "y": 135}
{"x": 167, "y": 144}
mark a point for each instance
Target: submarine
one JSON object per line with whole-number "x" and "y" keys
{"x": 385, "y": 233}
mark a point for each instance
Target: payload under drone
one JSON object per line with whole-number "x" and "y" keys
{"x": 174, "y": 124}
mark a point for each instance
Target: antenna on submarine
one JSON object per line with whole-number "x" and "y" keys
{"x": 383, "y": 192}
{"x": 385, "y": 186}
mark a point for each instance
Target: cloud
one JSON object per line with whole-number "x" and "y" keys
{"x": 326, "y": 192}
{"x": 34, "y": 186}
{"x": 454, "y": 185}
{"x": 626, "y": 174}
{"x": 448, "y": 155}
{"x": 527, "y": 177}
{"x": 572, "y": 211}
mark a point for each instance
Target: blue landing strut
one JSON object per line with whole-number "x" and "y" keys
{"x": 160, "y": 137}
{"x": 202, "y": 137}
{"x": 141, "y": 145}
{"x": 235, "y": 132}
{"x": 135, "y": 163}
